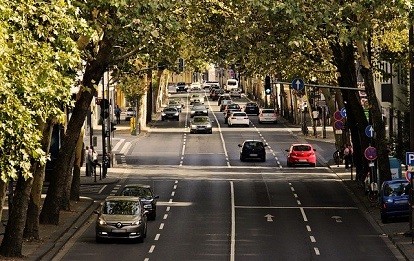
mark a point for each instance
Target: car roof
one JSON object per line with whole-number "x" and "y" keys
{"x": 253, "y": 141}
{"x": 395, "y": 181}
{"x": 137, "y": 185}
{"x": 122, "y": 198}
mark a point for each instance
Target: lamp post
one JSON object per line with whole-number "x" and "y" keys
{"x": 103, "y": 133}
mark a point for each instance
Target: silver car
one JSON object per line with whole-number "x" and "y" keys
{"x": 121, "y": 217}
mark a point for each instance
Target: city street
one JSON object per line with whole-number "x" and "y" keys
{"x": 212, "y": 206}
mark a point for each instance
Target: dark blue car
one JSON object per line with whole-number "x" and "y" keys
{"x": 394, "y": 199}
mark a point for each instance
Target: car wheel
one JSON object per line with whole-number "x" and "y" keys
{"x": 210, "y": 132}
{"x": 313, "y": 164}
{"x": 275, "y": 122}
{"x": 162, "y": 119}
{"x": 99, "y": 240}
{"x": 384, "y": 219}
{"x": 241, "y": 158}
{"x": 289, "y": 164}
{"x": 263, "y": 159}
{"x": 260, "y": 121}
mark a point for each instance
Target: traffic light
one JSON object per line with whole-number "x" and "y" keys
{"x": 104, "y": 108}
{"x": 268, "y": 86}
{"x": 113, "y": 124}
{"x": 180, "y": 64}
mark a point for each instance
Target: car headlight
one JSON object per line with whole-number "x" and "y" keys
{"x": 102, "y": 221}
{"x": 176, "y": 114}
{"x": 192, "y": 112}
{"x": 209, "y": 125}
{"x": 193, "y": 126}
{"x": 138, "y": 222}
{"x": 205, "y": 111}
{"x": 163, "y": 114}
{"x": 148, "y": 206}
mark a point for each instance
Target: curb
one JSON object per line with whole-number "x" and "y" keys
{"x": 57, "y": 240}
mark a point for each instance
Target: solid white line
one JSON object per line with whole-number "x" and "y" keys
{"x": 157, "y": 236}
{"x": 161, "y": 226}
{"x": 308, "y": 228}
{"x": 100, "y": 191}
{"x": 317, "y": 251}
{"x": 303, "y": 215}
{"x": 233, "y": 224}
{"x": 312, "y": 239}
{"x": 165, "y": 216}
{"x": 151, "y": 249}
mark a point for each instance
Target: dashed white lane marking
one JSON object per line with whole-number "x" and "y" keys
{"x": 291, "y": 188}
{"x": 146, "y": 259}
{"x": 175, "y": 187}
{"x": 299, "y": 203}
{"x": 172, "y": 194}
{"x": 316, "y": 251}
{"x": 157, "y": 236}
{"x": 168, "y": 209}
{"x": 151, "y": 249}
{"x": 312, "y": 239}
{"x": 176, "y": 182}
{"x": 295, "y": 195}
{"x": 161, "y": 226}
{"x": 305, "y": 218}
{"x": 170, "y": 201}
{"x": 165, "y": 216}
{"x": 308, "y": 228}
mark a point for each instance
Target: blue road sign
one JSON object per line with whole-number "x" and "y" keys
{"x": 369, "y": 131}
{"x": 370, "y": 153}
{"x": 409, "y": 158}
{"x": 297, "y": 84}
{"x": 343, "y": 112}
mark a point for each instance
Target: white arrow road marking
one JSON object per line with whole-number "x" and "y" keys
{"x": 269, "y": 217}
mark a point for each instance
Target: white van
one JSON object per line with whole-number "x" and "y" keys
{"x": 232, "y": 84}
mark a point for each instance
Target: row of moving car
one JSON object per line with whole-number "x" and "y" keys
{"x": 126, "y": 216}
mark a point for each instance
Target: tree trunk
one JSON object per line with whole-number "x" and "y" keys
{"x": 93, "y": 73}
{"x": 31, "y": 229}
{"x": 12, "y": 243}
{"x": 3, "y": 188}
{"x": 65, "y": 202}
{"x": 149, "y": 97}
{"x": 381, "y": 145}
{"x": 344, "y": 59}
{"x": 79, "y": 157}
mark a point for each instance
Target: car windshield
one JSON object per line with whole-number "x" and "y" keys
{"x": 301, "y": 148}
{"x": 253, "y": 144}
{"x": 170, "y": 109}
{"x": 251, "y": 105}
{"x": 396, "y": 189}
{"x": 121, "y": 207}
{"x": 137, "y": 192}
{"x": 200, "y": 119}
{"x": 199, "y": 108}
{"x": 231, "y": 83}
{"x": 234, "y": 106}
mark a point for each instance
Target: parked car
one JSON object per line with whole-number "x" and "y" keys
{"x": 251, "y": 108}
{"x": 238, "y": 118}
{"x": 181, "y": 87}
{"x": 268, "y": 115}
{"x": 146, "y": 195}
{"x": 253, "y": 149}
{"x": 301, "y": 154}
{"x": 170, "y": 113}
{"x": 129, "y": 113}
{"x": 201, "y": 124}
{"x": 198, "y": 110}
{"x": 121, "y": 217}
{"x": 394, "y": 199}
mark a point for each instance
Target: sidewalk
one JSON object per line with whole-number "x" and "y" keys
{"x": 54, "y": 237}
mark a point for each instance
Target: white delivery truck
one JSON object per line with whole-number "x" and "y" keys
{"x": 231, "y": 85}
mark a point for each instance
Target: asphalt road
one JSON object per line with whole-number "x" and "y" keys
{"x": 214, "y": 207}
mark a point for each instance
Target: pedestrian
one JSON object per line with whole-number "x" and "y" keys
{"x": 118, "y": 114}
{"x": 91, "y": 156}
{"x": 315, "y": 116}
{"x": 348, "y": 151}
{"x": 86, "y": 155}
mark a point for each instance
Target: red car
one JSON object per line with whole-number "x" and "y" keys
{"x": 301, "y": 154}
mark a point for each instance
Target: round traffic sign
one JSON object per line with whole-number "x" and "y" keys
{"x": 339, "y": 125}
{"x": 338, "y": 116}
{"x": 370, "y": 153}
{"x": 369, "y": 131}
{"x": 408, "y": 175}
{"x": 343, "y": 112}
{"x": 297, "y": 84}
